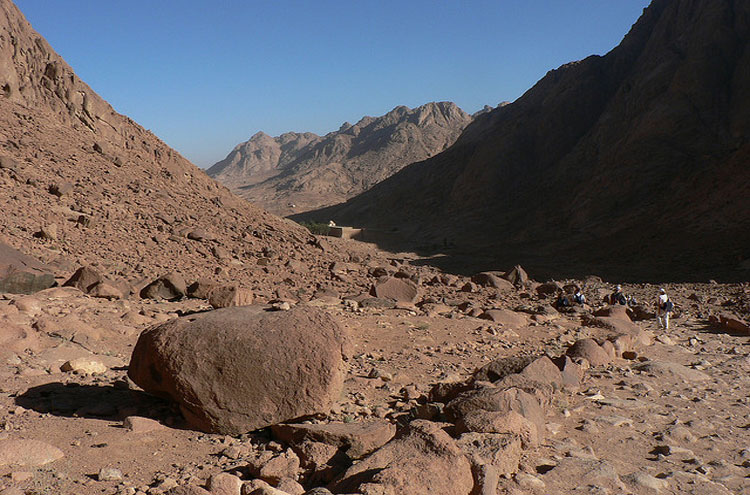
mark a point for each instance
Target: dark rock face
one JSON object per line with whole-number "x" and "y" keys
{"x": 238, "y": 369}
{"x": 21, "y": 274}
{"x": 311, "y": 171}
{"x": 638, "y": 155}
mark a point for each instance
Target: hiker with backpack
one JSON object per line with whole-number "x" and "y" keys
{"x": 617, "y": 297}
{"x": 578, "y": 297}
{"x": 664, "y": 308}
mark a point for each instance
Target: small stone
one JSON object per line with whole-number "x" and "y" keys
{"x": 281, "y": 306}
{"x": 138, "y": 424}
{"x": 644, "y": 480}
{"x": 109, "y": 474}
{"x": 84, "y": 365}
{"x": 526, "y": 480}
{"x": 21, "y": 476}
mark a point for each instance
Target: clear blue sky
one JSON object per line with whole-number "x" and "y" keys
{"x": 206, "y": 75}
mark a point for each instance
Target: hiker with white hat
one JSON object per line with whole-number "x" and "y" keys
{"x": 664, "y": 308}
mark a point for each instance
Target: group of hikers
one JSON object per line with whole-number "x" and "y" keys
{"x": 664, "y": 305}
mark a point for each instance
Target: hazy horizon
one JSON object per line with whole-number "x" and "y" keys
{"x": 205, "y": 79}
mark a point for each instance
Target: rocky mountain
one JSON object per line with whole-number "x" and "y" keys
{"x": 310, "y": 171}
{"x": 632, "y": 164}
{"x": 83, "y": 184}
{"x": 346, "y": 370}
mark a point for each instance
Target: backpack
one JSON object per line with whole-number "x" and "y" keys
{"x": 669, "y": 306}
{"x": 621, "y": 299}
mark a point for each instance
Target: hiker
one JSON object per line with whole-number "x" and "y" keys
{"x": 664, "y": 307}
{"x": 578, "y": 297}
{"x": 617, "y": 297}
{"x": 562, "y": 300}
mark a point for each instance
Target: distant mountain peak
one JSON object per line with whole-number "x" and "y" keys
{"x": 310, "y": 171}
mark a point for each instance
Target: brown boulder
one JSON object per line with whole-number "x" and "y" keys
{"x": 506, "y": 317}
{"x": 356, "y": 439}
{"x": 518, "y": 276}
{"x": 590, "y": 351}
{"x": 22, "y": 274}
{"x": 201, "y": 288}
{"x": 28, "y": 453}
{"x": 170, "y": 286}
{"x": 502, "y": 451}
{"x": 497, "y": 400}
{"x": 238, "y": 369}
{"x": 84, "y": 279}
{"x": 397, "y": 289}
{"x": 734, "y": 324}
{"x": 421, "y": 459}
{"x": 229, "y": 296}
{"x": 492, "y": 279}
{"x": 548, "y": 288}
{"x": 502, "y": 367}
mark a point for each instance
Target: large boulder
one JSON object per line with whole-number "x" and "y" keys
{"x": 90, "y": 281}
{"x": 505, "y": 317}
{"x": 422, "y": 458}
{"x": 170, "y": 286}
{"x": 397, "y": 289}
{"x": 591, "y": 351}
{"x": 500, "y": 401}
{"x": 238, "y": 369}
{"x": 492, "y": 279}
{"x": 22, "y": 274}
{"x": 518, "y": 276}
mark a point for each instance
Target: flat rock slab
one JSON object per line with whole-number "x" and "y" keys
{"x": 22, "y": 274}
{"x": 666, "y": 368}
{"x": 505, "y": 317}
{"x": 28, "y": 453}
{"x": 357, "y": 439}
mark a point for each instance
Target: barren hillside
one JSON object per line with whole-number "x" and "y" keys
{"x": 109, "y": 192}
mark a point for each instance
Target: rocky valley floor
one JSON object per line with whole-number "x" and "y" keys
{"x": 669, "y": 417}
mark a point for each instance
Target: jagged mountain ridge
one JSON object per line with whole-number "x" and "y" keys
{"x": 632, "y": 164}
{"x": 312, "y": 171}
{"x": 138, "y": 200}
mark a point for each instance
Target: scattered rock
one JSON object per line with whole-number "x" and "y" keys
{"x": 84, "y": 365}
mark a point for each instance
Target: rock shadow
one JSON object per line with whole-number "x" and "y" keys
{"x": 719, "y": 330}
{"x": 96, "y": 401}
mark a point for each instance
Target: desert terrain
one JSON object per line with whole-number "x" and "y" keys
{"x": 160, "y": 335}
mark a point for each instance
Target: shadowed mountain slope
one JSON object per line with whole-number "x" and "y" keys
{"x": 634, "y": 164}
{"x": 310, "y": 171}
